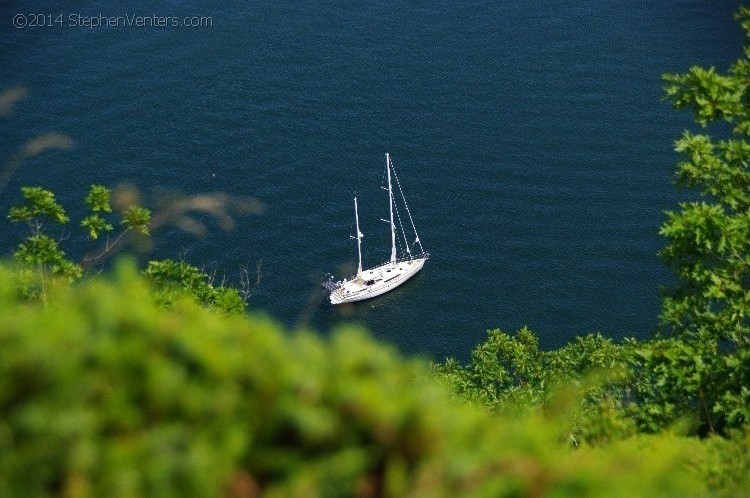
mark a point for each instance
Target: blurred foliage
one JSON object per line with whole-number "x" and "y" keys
{"x": 103, "y": 392}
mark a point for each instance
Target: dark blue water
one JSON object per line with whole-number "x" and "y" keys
{"x": 530, "y": 138}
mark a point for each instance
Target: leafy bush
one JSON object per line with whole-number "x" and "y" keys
{"x": 509, "y": 373}
{"x": 105, "y": 393}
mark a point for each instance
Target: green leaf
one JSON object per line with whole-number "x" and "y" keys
{"x": 95, "y": 225}
{"x": 137, "y": 218}
{"x": 98, "y": 199}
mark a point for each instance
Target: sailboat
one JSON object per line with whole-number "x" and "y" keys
{"x": 366, "y": 284}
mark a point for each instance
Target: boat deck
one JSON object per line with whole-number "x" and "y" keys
{"x": 376, "y": 281}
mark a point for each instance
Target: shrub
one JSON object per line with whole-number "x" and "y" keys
{"x": 105, "y": 393}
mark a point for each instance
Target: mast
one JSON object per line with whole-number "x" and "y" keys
{"x": 359, "y": 237}
{"x": 390, "y": 205}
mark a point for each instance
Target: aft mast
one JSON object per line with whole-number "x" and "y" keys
{"x": 390, "y": 205}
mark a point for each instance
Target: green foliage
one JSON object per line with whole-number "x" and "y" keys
{"x": 98, "y": 201}
{"x": 696, "y": 368}
{"x": 42, "y": 254}
{"x": 38, "y": 203}
{"x": 105, "y": 393}
{"x": 504, "y": 368}
{"x": 711, "y": 95}
{"x": 715, "y": 97}
{"x": 41, "y": 251}
{"x": 137, "y": 218}
{"x": 95, "y": 225}
{"x": 174, "y": 279}
{"x": 509, "y": 372}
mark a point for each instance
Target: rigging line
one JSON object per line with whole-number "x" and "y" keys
{"x": 400, "y": 247}
{"x": 401, "y": 226}
{"x": 407, "y": 207}
{"x": 400, "y": 223}
{"x": 403, "y": 245}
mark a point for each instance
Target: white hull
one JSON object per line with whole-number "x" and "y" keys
{"x": 376, "y": 281}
